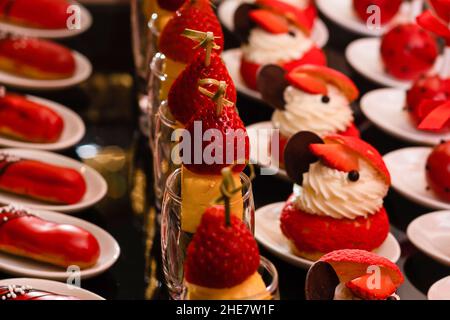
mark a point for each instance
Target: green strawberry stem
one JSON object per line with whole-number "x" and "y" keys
{"x": 219, "y": 96}
{"x": 205, "y": 40}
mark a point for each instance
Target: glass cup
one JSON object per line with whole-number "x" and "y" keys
{"x": 174, "y": 241}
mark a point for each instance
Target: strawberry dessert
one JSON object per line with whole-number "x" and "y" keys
{"x": 388, "y": 9}
{"x": 308, "y": 98}
{"x": 353, "y": 275}
{"x": 438, "y": 171}
{"x": 275, "y": 34}
{"x": 338, "y": 197}
{"x": 230, "y": 269}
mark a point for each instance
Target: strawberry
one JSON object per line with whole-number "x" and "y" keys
{"x": 221, "y": 255}
{"x": 388, "y": 8}
{"x": 269, "y": 21}
{"x": 442, "y": 8}
{"x": 428, "y": 88}
{"x": 183, "y": 95}
{"x": 361, "y": 287}
{"x": 336, "y": 156}
{"x": 170, "y": 5}
{"x": 195, "y": 15}
{"x": 437, "y": 119}
{"x": 217, "y": 116}
{"x": 408, "y": 51}
{"x": 438, "y": 171}
{"x": 429, "y": 22}
{"x": 307, "y": 83}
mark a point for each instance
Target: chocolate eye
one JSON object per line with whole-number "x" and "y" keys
{"x": 292, "y": 34}
{"x": 392, "y": 298}
{"x": 353, "y": 176}
{"x": 325, "y": 99}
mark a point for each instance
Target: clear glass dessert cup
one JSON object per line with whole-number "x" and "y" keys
{"x": 174, "y": 240}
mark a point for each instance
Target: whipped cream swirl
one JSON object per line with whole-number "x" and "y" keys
{"x": 264, "y": 47}
{"x": 307, "y": 112}
{"x": 329, "y": 192}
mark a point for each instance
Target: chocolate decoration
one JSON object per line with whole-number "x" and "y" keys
{"x": 271, "y": 82}
{"x": 298, "y": 157}
{"x": 242, "y": 23}
{"x": 321, "y": 282}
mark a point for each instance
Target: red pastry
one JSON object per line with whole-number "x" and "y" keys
{"x": 46, "y": 14}
{"x": 36, "y": 58}
{"x": 15, "y": 292}
{"x": 438, "y": 171}
{"x": 338, "y": 200}
{"x": 388, "y": 9}
{"x": 27, "y": 235}
{"x": 41, "y": 180}
{"x": 26, "y": 120}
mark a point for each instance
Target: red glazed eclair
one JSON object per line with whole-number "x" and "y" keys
{"x": 36, "y": 58}
{"x": 27, "y": 235}
{"x": 41, "y": 180}
{"x": 15, "y": 292}
{"x": 46, "y": 14}
{"x": 26, "y": 120}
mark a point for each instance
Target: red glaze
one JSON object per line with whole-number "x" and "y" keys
{"x": 24, "y": 293}
{"x": 45, "y": 56}
{"x": 47, "y": 14}
{"x": 42, "y": 181}
{"x": 28, "y": 120}
{"x": 59, "y": 244}
{"x": 428, "y": 88}
{"x": 249, "y": 69}
{"x": 389, "y": 8}
{"x": 312, "y": 233}
{"x": 438, "y": 171}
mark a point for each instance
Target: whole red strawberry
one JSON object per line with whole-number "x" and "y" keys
{"x": 220, "y": 255}
{"x": 438, "y": 171}
{"x": 408, "y": 51}
{"x": 193, "y": 14}
{"x": 170, "y": 5}
{"x": 388, "y": 8}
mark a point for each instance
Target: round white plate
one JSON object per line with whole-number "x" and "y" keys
{"x": 407, "y": 168}
{"x": 440, "y": 290}
{"x": 226, "y": 10}
{"x": 83, "y": 70}
{"x": 109, "y": 253}
{"x": 364, "y": 56}
{"x": 341, "y": 12}
{"x": 85, "y": 23}
{"x": 54, "y": 287}
{"x": 391, "y": 117}
{"x": 259, "y": 136}
{"x": 430, "y": 233}
{"x": 73, "y": 131}
{"x": 269, "y": 235}
{"x": 96, "y": 185}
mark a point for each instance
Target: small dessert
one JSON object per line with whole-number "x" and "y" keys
{"x": 29, "y": 121}
{"x": 274, "y": 34}
{"x": 388, "y": 9}
{"x": 408, "y": 51}
{"x": 225, "y": 143}
{"x": 438, "y": 171}
{"x": 178, "y": 49}
{"x": 353, "y": 275}
{"x": 40, "y": 180}
{"x": 25, "y": 234}
{"x": 305, "y": 9}
{"x": 206, "y": 64}
{"x": 338, "y": 197}
{"x": 442, "y": 8}
{"x": 16, "y": 292}
{"x": 36, "y": 58}
{"x": 44, "y": 14}
{"x": 308, "y": 98}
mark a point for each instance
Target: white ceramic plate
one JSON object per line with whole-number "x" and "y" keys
{"x": 385, "y": 108}
{"x": 226, "y": 10}
{"x": 259, "y": 137}
{"x": 54, "y": 287}
{"x": 407, "y": 168}
{"x": 96, "y": 185}
{"x": 85, "y": 23}
{"x": 83, "y": 70}
{"x": 73, "y": 131}
{"x": 341, "y": 12}
{"x": 109, "y": 253}
{"x": 430, "y": 233}
{"x": 440, "y": 290}
{"x": 269, "y": 235}
{"x": 364, "y": 56}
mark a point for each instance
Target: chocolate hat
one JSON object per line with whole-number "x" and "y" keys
{"x": 242, "y": 23}
{"x": 271, "y": 82}
{"x": 321, "y": 282}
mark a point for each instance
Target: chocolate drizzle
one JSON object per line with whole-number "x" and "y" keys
{"x": 6, "y": 161}
{"x": 10, "y": 213}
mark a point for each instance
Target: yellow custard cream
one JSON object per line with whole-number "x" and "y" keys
{"x": 253, "y": 288}
{"x": 198, "y": 191}
{"x": 151, "y": 7}
{"x": 172, "y": 69}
